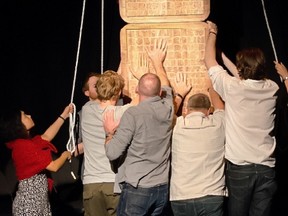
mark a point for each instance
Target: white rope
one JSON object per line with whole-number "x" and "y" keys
{"x": 102, "y": 36}
{"x": 269, "y": 31}
{"x": 71, "y": 142}
{"x": 71, "y": 146}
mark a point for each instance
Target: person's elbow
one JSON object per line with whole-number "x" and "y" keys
{"x": 46, "y": 137}
{"x": 53, "y": 167}
{"x": 110, "y": 156}
{"x": 110, "y": 153}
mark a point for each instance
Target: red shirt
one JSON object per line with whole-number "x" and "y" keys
{"x": 31, "y": 156}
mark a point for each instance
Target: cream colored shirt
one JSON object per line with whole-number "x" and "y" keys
{"x": 197, "y": 167}
{"x": 249, "y": 108}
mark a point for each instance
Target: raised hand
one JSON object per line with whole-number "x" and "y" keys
{"x": 158, "y": 53}
{"x": 281, "y": 69}
{"x": 109, "y": 122}
{"x": 182, "y": 86}
{"x": 68, "y": 109}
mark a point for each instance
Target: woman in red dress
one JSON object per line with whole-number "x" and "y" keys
{"x": 32, "y": 159}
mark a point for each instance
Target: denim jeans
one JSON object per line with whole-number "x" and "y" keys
{"x": 204, "y": 206}
{"x": 142, "y": 201}
{"x": 250, "y": 188}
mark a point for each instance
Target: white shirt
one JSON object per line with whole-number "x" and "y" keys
{"x": 249, "y": 107}
{"x": 197, "y": 167}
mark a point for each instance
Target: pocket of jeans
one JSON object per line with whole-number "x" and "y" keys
{"x": 270, "y": 175}
{"x": 238, "y": 181}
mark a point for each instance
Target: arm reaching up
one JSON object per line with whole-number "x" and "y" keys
{"x": 230, "y": 65}
{"x": 215, "y": 98}
{"x": 210, "y": 49}
{"x": 51, "y": 132}
{"x": 157, "y": 56}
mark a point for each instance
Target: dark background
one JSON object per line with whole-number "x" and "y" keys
{"x": 38, "y": 46}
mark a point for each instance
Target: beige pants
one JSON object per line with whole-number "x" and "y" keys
{"x": 99, "y": 199}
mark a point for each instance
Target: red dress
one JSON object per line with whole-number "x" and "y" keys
{"x": 31, "y": 157}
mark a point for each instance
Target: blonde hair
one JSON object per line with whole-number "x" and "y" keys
{"x": 109, "y": 85}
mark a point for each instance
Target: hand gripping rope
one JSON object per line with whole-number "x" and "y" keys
{"x": 71, "y": 146}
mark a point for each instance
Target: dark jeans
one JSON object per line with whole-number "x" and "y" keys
{"x": 204, "y": 206}
{"x": 251, "y": 189}
{"x": 142, "y": 201}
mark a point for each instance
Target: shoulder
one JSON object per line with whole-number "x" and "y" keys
{"x": 21, "y": 144}
{"x": 215, "y": 69}
{"x": 89, "y": 104}
{"x": 38, "y": 139}
{"x": 218, "y": 112}
{"x": 167, "y": 91}
{"x": 179, "y": 120}
{"x": 272, "y": 83}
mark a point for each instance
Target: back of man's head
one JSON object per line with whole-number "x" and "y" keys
{"x": 149, "y": 85}
{"x": 109, "y": 85}
{"x": 250, "y": 63}
{"x": 198, "y": 101}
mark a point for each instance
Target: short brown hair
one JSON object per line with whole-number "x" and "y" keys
{"x": 250, "y": 63}
{"x": 85, "y": 86}
{"x": 199, "y": 101}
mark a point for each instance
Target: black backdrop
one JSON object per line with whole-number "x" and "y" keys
{"x": 39, "y": 40}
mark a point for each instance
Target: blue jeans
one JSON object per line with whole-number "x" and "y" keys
{"x": 142, "y": 201}
{"x": 204, "y": 206}
{"x": 250, "y": 188}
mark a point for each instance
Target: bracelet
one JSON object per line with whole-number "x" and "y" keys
{"x": 179, "y": 95}
{"x": 212, "y": 32}
{"x": 285, "y": 78}
{"x": 61, "y": 117}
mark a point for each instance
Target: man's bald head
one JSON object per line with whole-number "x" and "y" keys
{"x": 149, "y": 85}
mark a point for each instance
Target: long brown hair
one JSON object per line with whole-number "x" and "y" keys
{"x": 11, "y": 126}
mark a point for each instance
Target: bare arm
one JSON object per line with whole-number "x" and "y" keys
{"x": 55, "y": 165}
{"x": 51, "y": 132}
{"x": 210, "y": 49}
{"x": 230, "y": 65}
{"x": 157, "y": 56}
{"x": 215, "y": 98}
